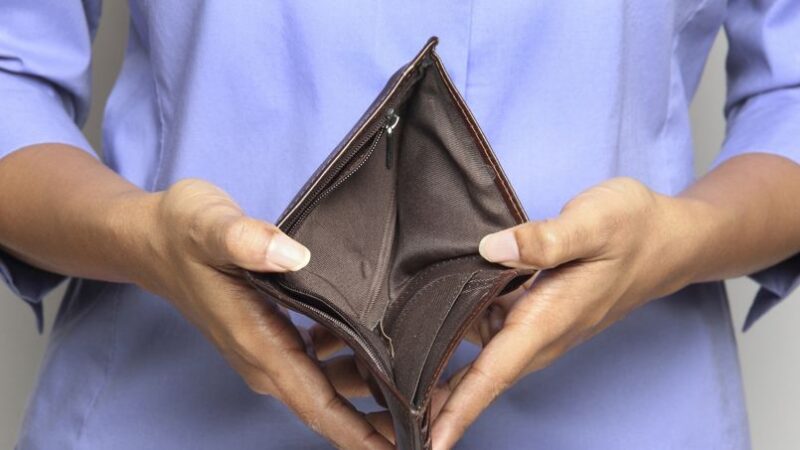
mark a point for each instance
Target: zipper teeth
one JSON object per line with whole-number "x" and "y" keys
{"x": 380, "y": 126}
{"x": 385, "y": 254}
{"x": 376, "y": 137}
{"x": 383, "y": 99}
{"x": 342, "y": 325}
{"x": 333, "y": 169}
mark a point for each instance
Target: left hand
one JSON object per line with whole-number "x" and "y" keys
{"x": 613, "y": 248}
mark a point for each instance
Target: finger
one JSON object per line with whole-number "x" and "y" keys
{"x": 264, "y": 337}
{"x": 345, "y": 377}
{"x": 382, "y": 421}
{"x": 495, "y": 369}
{"x": 255, "y": 379}
{"x": 340, "y": 371}
{"x": 325, "y": 342}
{"x": 256, "y": 245}
{"x": 443, "y": 390}
{"x": 487, "y": 325}
{"x": 544, "y": 244}
{"x": 307, "y": 391}
{"x": 311, "y": 394}
{"x": 305, "y": 335}
{"x": 478, "y": 329}
{"x": 493, "y": 317}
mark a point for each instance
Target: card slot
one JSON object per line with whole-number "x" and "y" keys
{"x": 465, "y": 263}
{"x": 418, "y": 325}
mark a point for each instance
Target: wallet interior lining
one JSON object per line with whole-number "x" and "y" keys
{"x": 439, "y": 193}
{"x": 404, "y": 203}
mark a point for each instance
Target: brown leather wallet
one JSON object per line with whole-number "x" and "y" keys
{"x": 393, "y": 219}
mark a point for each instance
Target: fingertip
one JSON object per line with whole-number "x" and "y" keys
{"x": 382, "y": 422}
{"x": 500, "y": 247}
{"x": 287, "y": 253}
{"x": 325, "y": 342}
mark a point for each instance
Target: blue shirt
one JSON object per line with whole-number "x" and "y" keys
{"x": 253, "y": 95}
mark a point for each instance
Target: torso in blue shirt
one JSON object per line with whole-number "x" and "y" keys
{"x": 253, "y": 95}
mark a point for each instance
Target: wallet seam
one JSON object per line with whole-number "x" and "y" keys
{"x": 478, "y": 286}
{"x": 499, "y": 177}
{"x": 415, "y": 279}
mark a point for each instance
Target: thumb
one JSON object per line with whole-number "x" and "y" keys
{"x": 541, "y": 245}
{"x": 260, "y": 246}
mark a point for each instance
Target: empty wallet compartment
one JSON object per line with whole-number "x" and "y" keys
{"x": 393, "y": 219}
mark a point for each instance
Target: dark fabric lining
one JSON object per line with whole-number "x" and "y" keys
{"x": 345, "y": 232}
{"x": 353, "y": 231}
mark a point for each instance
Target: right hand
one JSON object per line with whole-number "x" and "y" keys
{"x": 199, "y": 235}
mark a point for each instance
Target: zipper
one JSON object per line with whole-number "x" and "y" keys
{"x": 375, "y": 137}
{"x": 341, "y": 324}
{"x": 412, "y": 70}
{"x": 388, "y": 124}
{"x": 391, "y": 121}
{"x": 384, "y": 257}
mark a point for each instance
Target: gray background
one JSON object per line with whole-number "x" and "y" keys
{"x": 770, "y": 352}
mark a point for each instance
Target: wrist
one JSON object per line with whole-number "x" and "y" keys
{"x": 696, "y": 229}
{"x": 133, "y": 225}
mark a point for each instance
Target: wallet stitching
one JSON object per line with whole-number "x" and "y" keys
{"x": 475, "y": 134}
{"x": 475, "y": 280}
{"x": 498, "y": 176}
{"x": 415, "y": 280}
{"x": 477, "y": 287}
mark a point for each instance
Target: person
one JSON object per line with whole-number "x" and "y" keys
{"x": 221, "y": 112}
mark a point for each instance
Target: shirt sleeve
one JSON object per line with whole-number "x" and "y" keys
{"x": 763, "y": 108}
{"x": 45, "y": 60}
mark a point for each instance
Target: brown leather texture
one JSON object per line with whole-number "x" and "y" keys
{"x": 393, "y": 219}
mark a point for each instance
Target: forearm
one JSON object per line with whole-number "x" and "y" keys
{"x": 66, "y": 212}
{"x": 746, "y": 214}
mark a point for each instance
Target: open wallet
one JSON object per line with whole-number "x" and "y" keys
{"x": 393, "y": 219}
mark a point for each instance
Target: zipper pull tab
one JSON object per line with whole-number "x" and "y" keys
{"x": 392, "y": 119}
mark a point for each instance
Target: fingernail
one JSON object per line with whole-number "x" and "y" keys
{"x": 287, "y": 253}
{"x": 499, "y": 247}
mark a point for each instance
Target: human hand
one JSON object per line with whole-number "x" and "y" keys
{"x": 611, "y": 249}
{"x": 198, "y": 235}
